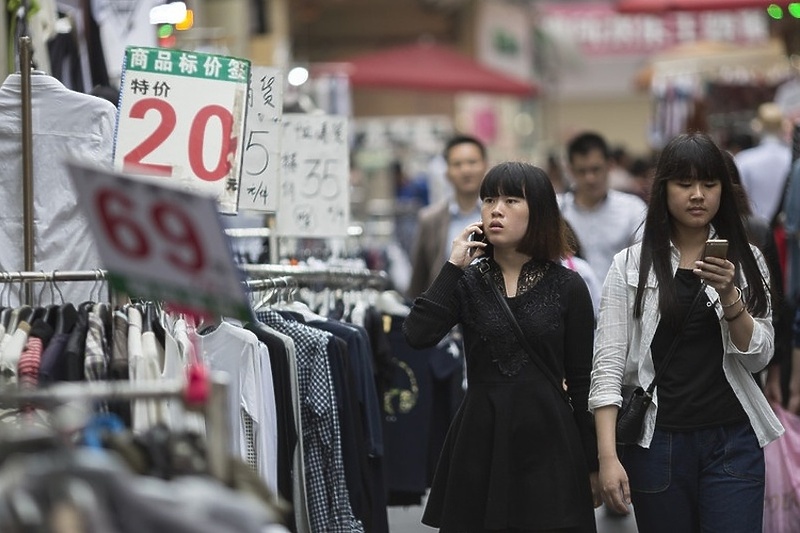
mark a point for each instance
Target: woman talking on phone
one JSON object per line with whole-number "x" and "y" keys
{"x": 703, "y": 325}
{"x": 519, "y": 452}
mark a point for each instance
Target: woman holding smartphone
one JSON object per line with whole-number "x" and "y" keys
{"x": 698, "y": 464}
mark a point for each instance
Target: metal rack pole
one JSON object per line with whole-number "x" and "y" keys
{"x": 53, "y": 275}
{"x": 27, "y": 157}
{"x": 332, "y": 275}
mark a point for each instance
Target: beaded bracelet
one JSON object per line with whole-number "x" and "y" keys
{"x": 737, "y": 315}
{"x": 737, "y": 300}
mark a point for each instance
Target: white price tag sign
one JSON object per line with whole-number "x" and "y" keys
{"x": 182, "y": 115}
{"x": 314, "y": 177}
{"x": 161, "y": 242}
{"x": 262, "y": 141}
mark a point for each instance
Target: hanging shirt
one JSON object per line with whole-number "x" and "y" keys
{"x": 123, "y": 23}
{"x": 328, "y": 502}
{"x": 299, "y": 497}
{"x": 66, "y": 125}
{"x": 245, "y": 360}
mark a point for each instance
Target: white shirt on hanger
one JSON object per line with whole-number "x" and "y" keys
{"x": 240, "y": 354}
{"x": 123, "y": 23}
{"x": 66, "y": 124}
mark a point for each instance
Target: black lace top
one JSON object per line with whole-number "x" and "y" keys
{"x": 512, "y": 415}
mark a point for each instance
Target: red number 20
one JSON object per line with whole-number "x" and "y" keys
{"x": 133, "y": 160}
{"x": 171, "y": 223}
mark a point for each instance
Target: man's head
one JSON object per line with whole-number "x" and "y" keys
{"x": 589, "y": 163}
{"x": 466, "y": 164}
{"x": 769, "y": 120}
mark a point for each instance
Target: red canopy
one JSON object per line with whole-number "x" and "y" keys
{"x": 432, "y": 67}
{"x": 655, "y": 6}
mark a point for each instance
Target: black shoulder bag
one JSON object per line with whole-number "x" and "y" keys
{"x": 484, "y": 268}
{"x": 636, "y": 400}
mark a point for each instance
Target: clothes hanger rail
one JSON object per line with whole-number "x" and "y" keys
{"x": 215, "y": 409}
{"x": 331, "y": 276}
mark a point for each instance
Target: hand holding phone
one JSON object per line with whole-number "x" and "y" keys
{"x": 476, "y": 237}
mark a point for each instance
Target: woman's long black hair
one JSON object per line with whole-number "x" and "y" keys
{"x": 695, "y": 155}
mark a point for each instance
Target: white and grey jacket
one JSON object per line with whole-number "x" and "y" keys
{"x": 622, "y": 346}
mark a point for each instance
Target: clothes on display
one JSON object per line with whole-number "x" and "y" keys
{"x": 81, "y": 42}
{"x": 310, "y": 394}
{"x": 420, "y": 397}
{"x": 66, "y": 125}
{"x": 123, "y": 23}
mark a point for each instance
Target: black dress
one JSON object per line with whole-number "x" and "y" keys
{"x": 516, "y": 457}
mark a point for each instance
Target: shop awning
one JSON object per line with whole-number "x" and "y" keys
{"x": 431, "y": 67}
{"x": 765, "y": 63}
{"x": 658, "y": 6}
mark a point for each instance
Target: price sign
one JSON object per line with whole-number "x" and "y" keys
{"x": 161, "y": 242}
{"x": 262, "y": 141}
{"x": 182, "y": 115}
{"x": 314, "y": 196}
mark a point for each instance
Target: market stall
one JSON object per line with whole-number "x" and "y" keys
{"x": 711, "y": 86}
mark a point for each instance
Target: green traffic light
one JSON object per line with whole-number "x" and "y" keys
{"x": 164, "y": 31}
{"x": 775, "y": 11}
{"x": 794, "y": 9}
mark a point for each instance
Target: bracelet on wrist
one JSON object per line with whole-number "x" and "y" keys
{"x": 737, "y": 315}
{"x": 737, "y": 300}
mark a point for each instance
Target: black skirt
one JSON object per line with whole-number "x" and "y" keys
{"x": 512, "y": 460}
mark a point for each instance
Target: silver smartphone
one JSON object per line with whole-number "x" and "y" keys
{"x": 716, "y": 248}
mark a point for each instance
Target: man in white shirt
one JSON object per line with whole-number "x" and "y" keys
{"x": 604, "y": 220}
{"x": 764, "y": 168}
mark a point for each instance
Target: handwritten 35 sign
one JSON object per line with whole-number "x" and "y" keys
{"x": 160, "y": 241}
{"x": 182, "y": 116}
{"x": 314, "y": 195}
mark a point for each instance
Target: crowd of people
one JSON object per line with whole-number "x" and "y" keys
{"x": 570, "y": 282}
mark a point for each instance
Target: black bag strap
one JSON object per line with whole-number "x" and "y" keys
{"x": 485, "y": 270}
{"x": 675, "y": 340}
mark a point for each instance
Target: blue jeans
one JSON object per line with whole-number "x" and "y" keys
{"x": 709, "y": 480}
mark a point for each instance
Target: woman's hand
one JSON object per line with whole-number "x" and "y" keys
{"x": 718, "y": 273}
{"x": 465, "y": 250}
{"x": 614, "y": 484}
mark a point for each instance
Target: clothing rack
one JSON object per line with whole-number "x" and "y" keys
{"x": 215, "y": 409}
{"x": 55, "y": 275}
{"x": 99, "y": 274}
{"x": 332, "y": 276}
{"x": 28, "y": 277}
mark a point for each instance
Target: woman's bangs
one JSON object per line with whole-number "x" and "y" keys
{"x": 692, "y": 160}
{"x": 500, "y": 182}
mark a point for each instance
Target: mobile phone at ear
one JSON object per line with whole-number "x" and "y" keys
{"x": 475, "y": 236}
{"x": 716, "y": 248}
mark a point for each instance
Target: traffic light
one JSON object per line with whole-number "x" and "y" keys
{"x": 776, "y": 11}
{"x": 166, "y": 36}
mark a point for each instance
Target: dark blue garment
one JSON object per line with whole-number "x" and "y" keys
{"x": 407, "y": 406}
{"x": 52, "y": 367}
{"x": 705, "y": 480}
{"x": 287, "y": 434}
{"x": 360, "y": 356}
